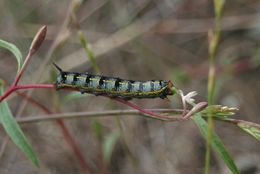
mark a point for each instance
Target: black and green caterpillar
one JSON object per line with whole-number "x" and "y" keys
{"x": 113, "y": 87}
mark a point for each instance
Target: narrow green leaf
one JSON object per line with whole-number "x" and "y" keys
{"x": 250, "y": 129}
{"x": 97, "y": 126}
{"x": 88, "y": 51}
{"x": 109, "y": 145}
{"x": 14, "y": 131}
{"x": 17, "y": 53}
{"x": 217, "y": 144}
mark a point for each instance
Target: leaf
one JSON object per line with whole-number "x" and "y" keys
{"x": 88, "y": 51}
{"x": 97, "y": 126}
{"x": 250, "y": 129}
{"x": 14, "y": 131}
{"x": 109, "y": 145}
{"x": 217, "y": 144}
{"x": 17, "y": 53}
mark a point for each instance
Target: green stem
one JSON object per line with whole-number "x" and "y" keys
{"x": 214, "y": 37}
{"x": 88, "y": 51}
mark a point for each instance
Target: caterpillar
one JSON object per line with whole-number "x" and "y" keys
{"x": 112, "y": 86}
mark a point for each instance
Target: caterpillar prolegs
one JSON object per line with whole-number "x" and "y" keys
{"x": 112, "y": 86}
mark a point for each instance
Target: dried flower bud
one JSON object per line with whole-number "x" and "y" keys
{"x": 38, "y": 39}
{"x": 197, "y": 108}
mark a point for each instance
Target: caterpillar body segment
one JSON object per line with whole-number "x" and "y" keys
{"x": 112, "y": 86}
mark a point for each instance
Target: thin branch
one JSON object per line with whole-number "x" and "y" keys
{"x": 185, "y": 115}
{"x": 29, "y": 86}
{"x": 149, "y": 113}
{"x": 73, "y": 115}
{"x": 237, "y": 121}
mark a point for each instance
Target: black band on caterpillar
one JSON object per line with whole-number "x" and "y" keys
{"x": 111, "y": 86}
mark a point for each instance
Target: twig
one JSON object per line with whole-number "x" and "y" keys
{"x": 29, "y": 86}
{"x": 149, "y": 113}
{"x": 183, "y": 116}
{"x": 73, "y": 115}
{"x": 237, "y": 121}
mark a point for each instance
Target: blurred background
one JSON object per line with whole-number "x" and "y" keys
{"x": 138, "y": 40}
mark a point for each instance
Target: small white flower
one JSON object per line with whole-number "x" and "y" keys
{"x": 188, "y": 98}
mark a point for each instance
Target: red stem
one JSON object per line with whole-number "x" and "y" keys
{"x": 20, "y": 73}
{"x": 14, "y": 88}
{"x": 151, "y": 114}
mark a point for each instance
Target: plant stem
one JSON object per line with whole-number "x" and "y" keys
{"x": 73, "y": 115}
{"x": 149, "y": 113}
{"x": 29, "y": 86}
{"x": 83, "y": 41}
{"x": 237, "y": 121}
{"x": 19, "y": 75}
{"x": 214, "y": 36}
{"x": 88, "y": 51}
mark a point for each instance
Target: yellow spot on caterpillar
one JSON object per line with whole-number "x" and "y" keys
{"x": 80, "y": 77}
{"x": 94, "y": 79}
{"x": 109, "y": 81}
{"x": 135, "y": 84}
{"x": 123, "y": 83}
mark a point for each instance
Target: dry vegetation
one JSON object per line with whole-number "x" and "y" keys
{"x": 139, "y": 40}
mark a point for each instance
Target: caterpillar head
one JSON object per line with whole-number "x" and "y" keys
{"x": 60, "y": 76}
{"x": 170, "y": 90}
